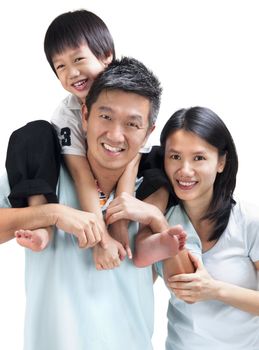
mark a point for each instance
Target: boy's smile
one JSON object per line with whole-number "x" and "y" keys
{"x": 77, "y": 68}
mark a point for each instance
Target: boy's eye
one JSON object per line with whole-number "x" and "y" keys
{"x": 79, "y": 59}
{"x": 60, "y": 66}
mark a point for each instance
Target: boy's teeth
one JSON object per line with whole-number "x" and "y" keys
{"x": 79, "y": 83}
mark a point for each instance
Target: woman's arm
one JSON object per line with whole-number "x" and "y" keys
{"x": 200, "y": 286}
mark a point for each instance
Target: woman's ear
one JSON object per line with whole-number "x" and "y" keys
{"x": 222, "y": 163}
{"x": 84, "y": 117}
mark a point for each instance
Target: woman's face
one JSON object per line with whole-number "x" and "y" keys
{"x": 192, "y": 165}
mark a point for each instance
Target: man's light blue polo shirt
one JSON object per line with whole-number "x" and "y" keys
{"x": 72, "y": 306}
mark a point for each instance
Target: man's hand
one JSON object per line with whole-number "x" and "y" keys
{"x": 128, "y": 207}
{"x": 83, "y": 225}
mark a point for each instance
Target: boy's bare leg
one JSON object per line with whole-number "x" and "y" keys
{"x": 151, "y": 248}
{"x": 36, "y": 240}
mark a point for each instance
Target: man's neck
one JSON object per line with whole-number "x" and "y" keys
{"x": 107, "y": 180}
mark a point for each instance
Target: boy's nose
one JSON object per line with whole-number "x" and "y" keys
{"x": 73, "y": 72}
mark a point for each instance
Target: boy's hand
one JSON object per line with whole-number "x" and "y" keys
{"x": 119, "y": 231}
{"x": 109, "y": 257}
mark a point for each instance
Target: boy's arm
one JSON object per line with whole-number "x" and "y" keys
{"x": 119, "y": 230}
{"x": 128, "y": 178}
{"x": 85, "y": 184}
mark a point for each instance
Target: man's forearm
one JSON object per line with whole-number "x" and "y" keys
{"x": 12, "y": 219}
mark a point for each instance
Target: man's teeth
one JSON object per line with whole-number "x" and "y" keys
{"x": 112, "y": 149}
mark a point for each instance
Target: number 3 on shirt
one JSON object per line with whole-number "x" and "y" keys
{"x": 66, "y": 136}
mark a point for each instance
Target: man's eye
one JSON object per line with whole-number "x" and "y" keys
{"x": 105, "y": 117}
{"x": 133, "y": 125}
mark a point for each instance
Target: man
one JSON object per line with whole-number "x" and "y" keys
{"x": 71, "y": 305}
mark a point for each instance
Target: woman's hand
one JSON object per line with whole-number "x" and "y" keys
{"x": 193, "y": 287}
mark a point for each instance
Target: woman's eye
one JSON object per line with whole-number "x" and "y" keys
{"x": 199, "y": 158}
{"x": 175, "y": 156}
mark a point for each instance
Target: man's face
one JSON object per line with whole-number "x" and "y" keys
{"x": 117, "y": 127}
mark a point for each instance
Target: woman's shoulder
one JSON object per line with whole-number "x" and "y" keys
{"x": 246, "y": 213}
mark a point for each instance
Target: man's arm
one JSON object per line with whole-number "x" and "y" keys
{"x": 79, "y": 223}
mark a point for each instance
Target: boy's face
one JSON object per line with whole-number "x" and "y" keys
{"x": 77, "y": 68}
{"x": 117, "y": 127}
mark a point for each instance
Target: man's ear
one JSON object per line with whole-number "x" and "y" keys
{"x": 84, "y": 111}
{"x": 149, "y": 131}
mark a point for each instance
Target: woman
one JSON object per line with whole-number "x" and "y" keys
{"x": 217, "y": 306}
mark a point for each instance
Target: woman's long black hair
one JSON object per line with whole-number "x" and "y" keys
{"x": 207, "y": 125}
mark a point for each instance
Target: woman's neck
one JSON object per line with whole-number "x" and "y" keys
{"x": 195, "y": 213}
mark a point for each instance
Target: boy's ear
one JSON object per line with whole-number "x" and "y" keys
{"x": 107, "y": 60}
{"x": 84, "y": 117}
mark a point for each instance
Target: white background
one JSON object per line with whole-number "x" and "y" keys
{"x": 204, "y": 52}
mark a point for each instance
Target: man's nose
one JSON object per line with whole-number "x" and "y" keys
{"x": 116, "y": 132}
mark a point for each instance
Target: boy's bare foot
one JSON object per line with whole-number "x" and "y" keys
{"x": 160, "y": 246}
{"x": 36, "y": 240}
{"x": 119, "y": 231}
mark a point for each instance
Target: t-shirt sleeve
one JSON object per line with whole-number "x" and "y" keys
{"x": 68, "y": 125}
{"x": 176, "y": 216}
{"x": 4, "y": 191}
{"x": 251, "y": 218}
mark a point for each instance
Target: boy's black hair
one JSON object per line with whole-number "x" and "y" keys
{"x": 71, "y": 29}
{"x": 129, "y": 75}
{"x": 206, "y": 124}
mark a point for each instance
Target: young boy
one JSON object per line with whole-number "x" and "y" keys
{"x": 78, "y": 47}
